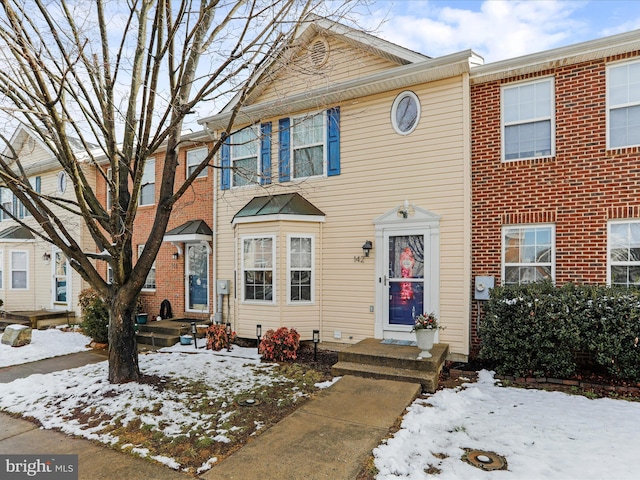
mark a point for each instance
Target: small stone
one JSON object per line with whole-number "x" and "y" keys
{"x": 484, "y": 459}
{"x": 16, "y": 335}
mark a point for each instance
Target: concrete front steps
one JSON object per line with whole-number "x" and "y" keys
{"x": 370, "y": 358}
{"x": 166, "y": 333}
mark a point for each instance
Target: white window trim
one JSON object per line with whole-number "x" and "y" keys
{"x": 273, "y": 269}
{"x": 609, "y": 263}
{"x": 610, "y": 107}
{"x": 233, "y": 159}
{"x": 153, "y": 267}
{"x": 394, "y": 109}
{"x": 290, "y": 236}
{"x": 191, "y": 163}
{"x": 11, "y": 270}
{"x": 528, "y": 225}
{"x": 552, "y": 117}
{"x": 5, "y": 216}
{"x": 298, "y": 120}
{"x": 148, "y": 162}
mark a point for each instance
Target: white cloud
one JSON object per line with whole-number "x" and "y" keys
{"x": 497, "y": 30}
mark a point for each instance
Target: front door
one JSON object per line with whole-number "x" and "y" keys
{"x": 61, "y": 281}
{"x": 197, "y": 278}
{"x": 404, "y": 279}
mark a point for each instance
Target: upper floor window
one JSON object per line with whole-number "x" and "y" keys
{"x": 6, "y": 198}
{"x": 528, "y": 127}
{"x": 61, "y": 183}
{"x": 300, "y": 266}
{"x": 244, "y": 157}
{"x": 623, "y": 104}
{"x": 624, "y": 253}
{"x": 108, "y": 192}
{"x": 528, "y": 254}
{"x": 258, "y": 255}
{"x": 148, "y": 187}
{"x": 194, "y": 158}
{"x": 308, "y": 145}
{"x": 150, "y": 282}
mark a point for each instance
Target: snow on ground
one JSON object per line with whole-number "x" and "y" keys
{"x": 44, "y": 344}
{"x": 548, "y": 435}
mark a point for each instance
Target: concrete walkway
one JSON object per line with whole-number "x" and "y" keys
{"x": 327, "y": 438}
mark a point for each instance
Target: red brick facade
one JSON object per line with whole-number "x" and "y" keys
{"x": 578, "y": 189}
{"x": 196, "y": 204}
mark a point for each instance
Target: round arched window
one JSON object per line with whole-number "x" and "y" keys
{"x": 405, "y": 113}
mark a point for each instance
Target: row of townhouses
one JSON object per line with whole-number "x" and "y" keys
{"x": 366, "y": 183}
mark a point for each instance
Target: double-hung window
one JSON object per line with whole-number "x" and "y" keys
{"x": 6, "y": 197}
{"x": 624, "y": 253}
{"x": 258, "y": 269}
{"x": 528, "y": 125}
{"x": 150, "y": 282}
{"x": 528, "y": 254}
{"x": 300, "y": 269}
{"x": 308, "y": 145}
{"x": 623, "y": 105}
{"x": 108, "y": 189}
{"x": 194, "y": 158}
{"x": 19, "y": 270}
{"x": 148, "y": 187}
{"x": 244, "y": 157}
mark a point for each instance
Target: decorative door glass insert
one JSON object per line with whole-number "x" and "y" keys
{"x": 61, "y": 266}
{"x": 198, "y": 275}
{"x": 406, "y": 278}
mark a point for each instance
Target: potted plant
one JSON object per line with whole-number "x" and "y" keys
{"x": 425, "y": 325}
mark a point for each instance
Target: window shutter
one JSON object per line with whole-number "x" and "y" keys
{"x": 284, "y": 152}
{"x": 333, "y": 141}
{"x": 265, "y": 153}
{"x": 225, "y": 163}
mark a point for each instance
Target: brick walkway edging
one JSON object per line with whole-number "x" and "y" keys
{"x": 619, "y": 389}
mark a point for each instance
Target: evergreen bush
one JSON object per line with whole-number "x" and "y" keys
{"x": 95, "y": 316}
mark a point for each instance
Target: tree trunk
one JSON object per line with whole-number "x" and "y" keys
{"x": 123, "y": 347}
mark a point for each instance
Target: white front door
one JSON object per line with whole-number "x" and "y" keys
{"x": 61, "y": 281}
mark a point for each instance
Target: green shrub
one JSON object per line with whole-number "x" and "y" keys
{"x": 95, "y": 316}
{"x": 536, "y": 329}
{"x": 280, "y": 345}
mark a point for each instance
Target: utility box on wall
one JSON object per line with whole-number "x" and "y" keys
{"x": 482, "y": 287}
{"x": 222, "y": 287}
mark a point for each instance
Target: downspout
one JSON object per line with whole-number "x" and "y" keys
{"x": 214, "y": 260}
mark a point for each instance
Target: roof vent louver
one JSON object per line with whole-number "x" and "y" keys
{"x": 319, "y": 52}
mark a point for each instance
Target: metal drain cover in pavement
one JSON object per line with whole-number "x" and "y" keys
{"x": 485, "y": 460}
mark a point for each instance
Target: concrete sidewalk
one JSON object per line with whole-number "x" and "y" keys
{"x": 327, "y": 438}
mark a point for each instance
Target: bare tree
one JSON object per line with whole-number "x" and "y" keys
{"x": 111, "y": 83}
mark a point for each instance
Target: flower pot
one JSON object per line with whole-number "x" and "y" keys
{"x": 142, "y": 318}
{"x": 185, "y": 339}
{"x": 425, "y": 339}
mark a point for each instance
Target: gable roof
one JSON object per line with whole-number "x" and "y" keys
{"x": 17, "y": 232}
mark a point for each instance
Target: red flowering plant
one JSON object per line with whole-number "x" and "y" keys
{"x": 426, "y": 321}
{"x": 280, "y": 345}
{"x": 218, "y": 338}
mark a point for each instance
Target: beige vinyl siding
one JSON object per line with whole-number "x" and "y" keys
{"x": 345, "y": 62}
{"x": 379, "y": 170}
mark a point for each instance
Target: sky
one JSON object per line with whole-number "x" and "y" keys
{"x": 497, "y": 29}
{"x": 541, "y": 435}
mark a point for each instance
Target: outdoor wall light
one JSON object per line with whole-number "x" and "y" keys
{"x": 176, "y": 256}
{"x": 316, "y": 339}
{"x": 258, "y": 334}
{"x": 366, "y": 248}
{"x": 404, "y": 211}
{"x": 46, "y": 256}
